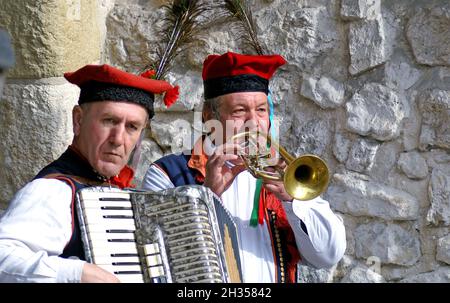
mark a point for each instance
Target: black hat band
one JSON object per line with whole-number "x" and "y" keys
{"x": 232, "y": 84}
{"x": 98, "y": 91}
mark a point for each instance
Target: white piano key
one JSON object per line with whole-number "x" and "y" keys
{"x": 151, "y": 249}
{"x": 89, "y": 195}
{"x": 94, "y": 213}
{"x": 153, "y": 260}
{"x": 130, "y": 278}
{"x": 122, "y": 269}
{"x": 111, "y": 225}
{"x": 156, "y": 271}
{"x": 106, "y": 248}
{"x": 109, "y": 260}
{"x": 99, "y": 204}
{"x": 111, "y": 236}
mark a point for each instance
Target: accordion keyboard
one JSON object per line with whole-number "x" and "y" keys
{"x": 109, "y": 225}
{"x": 178, "y": 235}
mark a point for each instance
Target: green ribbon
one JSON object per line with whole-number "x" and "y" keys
{"x": 255, "y": 211}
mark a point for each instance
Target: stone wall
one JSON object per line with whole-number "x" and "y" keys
{"x": 50, "y": 37}
{"x": 367, "y": 88}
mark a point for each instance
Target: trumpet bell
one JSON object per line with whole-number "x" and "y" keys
{"x": 306, "y": 177}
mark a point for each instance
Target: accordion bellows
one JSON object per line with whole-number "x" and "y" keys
{"x": 179, "y": 235}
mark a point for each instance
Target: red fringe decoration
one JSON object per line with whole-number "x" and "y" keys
{"x": 150, "y": 74}
{"x": 171, "y": 96}
{"x": 124, "y": 178}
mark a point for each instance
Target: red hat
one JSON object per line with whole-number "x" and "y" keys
{"x": 231, "y": 72}
{"x": 107, "y": 83}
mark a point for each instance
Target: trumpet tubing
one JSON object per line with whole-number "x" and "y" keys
{"x": 304, "y": 178}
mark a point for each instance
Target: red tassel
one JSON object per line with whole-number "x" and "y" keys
{"x": 261, "y": 207}
{"x": 171, "y": 96}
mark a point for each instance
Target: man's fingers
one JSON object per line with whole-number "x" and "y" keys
{"x": 238, "y": 169}
{"x": 228, "y": 148}
{"x": 219, "y": 160}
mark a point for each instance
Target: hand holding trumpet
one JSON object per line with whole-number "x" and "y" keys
{"x": 302, "y": 178}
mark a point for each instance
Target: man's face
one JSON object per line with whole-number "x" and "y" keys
{"x": 106, "y": 133}
{"x": 243, "y": 111}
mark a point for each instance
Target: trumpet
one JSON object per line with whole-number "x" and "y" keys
{"x": 304, "y": 177}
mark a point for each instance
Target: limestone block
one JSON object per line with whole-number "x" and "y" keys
{"x": 400, "y": 73}
{"x": 362, "y": 155}
{"x": 367, "y": 45}
{"x": 173, "y": 132}
{"x": 440, "y": 275}
{"x": 149, "y": 152}
{"x": 362, "y": 274}
{"x": 311, "y": 136}
{"x": 341, "y": 147}
{"x": 413, "y": 165}
{"x": 434, "y": 106}
{"x": 376, "y": 111}
{"x": 439, "y": 194}
{"x": 36, "y": 124}
{"x": 308, "y": 274}
{"x": 443, "y": 249}
{"x": 325, "y": 92}
{"x": 390, "y": 243}
{"x": 359, "y": 9}
{"x": 428, "y": 32}
{"x": 133, "y": 35}
{"x": 302, "y": 35}
{"x": 51, "y": 37}
{"x": 356, "y": 195}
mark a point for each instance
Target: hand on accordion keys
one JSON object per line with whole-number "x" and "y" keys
{"x": 95, "y": 274}
{"x": 181, "y": 235}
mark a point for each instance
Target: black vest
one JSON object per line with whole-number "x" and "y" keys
{"x": 71, "y": 164}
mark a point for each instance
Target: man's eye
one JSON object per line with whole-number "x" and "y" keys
{"x": 132, "y": 127}
{"x": 262, "y": 109}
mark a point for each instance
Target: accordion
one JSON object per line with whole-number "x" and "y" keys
{"x": 179, "y": 235}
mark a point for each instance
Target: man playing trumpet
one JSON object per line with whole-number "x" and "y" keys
{"x": 276, "y": 231}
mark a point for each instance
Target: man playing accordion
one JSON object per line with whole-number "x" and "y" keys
{"x": 40, "y": 237}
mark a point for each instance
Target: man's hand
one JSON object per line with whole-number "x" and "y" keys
{"x": 218, "y": 175}
{"x": 95, "y": 274}
{"x": 277, "y": 187}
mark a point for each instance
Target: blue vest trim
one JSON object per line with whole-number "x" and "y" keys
{"x": 176, "y": 167}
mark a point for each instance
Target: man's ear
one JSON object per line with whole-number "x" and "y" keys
{"x": 206, "y": 114}
{"x": 77, "y": 117}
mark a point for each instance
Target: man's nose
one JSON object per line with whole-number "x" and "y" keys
{"x": 252, "y": 120}
{"x": 117, "y": 135}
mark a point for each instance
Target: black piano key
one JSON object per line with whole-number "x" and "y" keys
{"x": 117, "y": 217}
{"x": 119, "y": 231}
{"x": 121, "y": 240}
{"x": 116, "y": 208}
{"x": 124, "y": 255}
{"x": 113, "y": 199}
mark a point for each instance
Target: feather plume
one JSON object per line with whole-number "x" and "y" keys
{"x": 180, "y": 26}
{"x": 240, "y": 10}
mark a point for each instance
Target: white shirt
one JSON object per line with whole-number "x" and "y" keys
{"x": 34, "y": 230}
{"x": 322, "y": 247}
